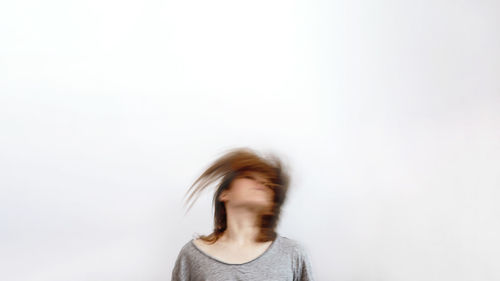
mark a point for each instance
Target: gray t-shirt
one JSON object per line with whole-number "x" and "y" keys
{"x": 284, "y": 260}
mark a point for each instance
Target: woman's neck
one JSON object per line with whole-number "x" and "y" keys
{"x": 242, "y": 227}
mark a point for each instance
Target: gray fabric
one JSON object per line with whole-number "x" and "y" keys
{"x": 284, "y": 260}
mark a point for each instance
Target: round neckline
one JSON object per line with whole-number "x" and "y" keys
{"x": 223, "y": 262}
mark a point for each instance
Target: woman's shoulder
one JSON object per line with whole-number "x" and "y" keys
{"x": 293, "y": 245}
{"x": 187, "y": 247}
{"x": 290, "y": 242}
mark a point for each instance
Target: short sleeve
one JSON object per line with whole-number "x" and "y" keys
{"x": 181, "y": 267}
{"x": 303, "y": 271}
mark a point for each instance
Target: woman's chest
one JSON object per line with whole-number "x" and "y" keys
{"x": 269, "y": 271}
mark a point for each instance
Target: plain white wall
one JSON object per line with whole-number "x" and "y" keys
{"x": 388, "y": 113}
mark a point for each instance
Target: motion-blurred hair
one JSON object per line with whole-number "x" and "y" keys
{"x": 235, "y": 163}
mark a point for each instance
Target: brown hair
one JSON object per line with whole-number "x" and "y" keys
{"x": 231, "y": 165}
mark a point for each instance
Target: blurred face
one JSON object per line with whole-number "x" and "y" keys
{"x": 250, "y": 190}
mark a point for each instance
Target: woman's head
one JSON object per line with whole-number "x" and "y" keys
{"x": 246, "y": 180}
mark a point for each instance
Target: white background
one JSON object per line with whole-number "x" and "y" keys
{"x": 388, "y": 113}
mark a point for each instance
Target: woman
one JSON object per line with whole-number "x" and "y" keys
{"x": 244, "y": 244}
